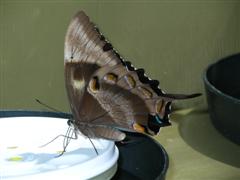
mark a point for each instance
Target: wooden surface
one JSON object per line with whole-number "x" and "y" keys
{"x": 198, "y": 151}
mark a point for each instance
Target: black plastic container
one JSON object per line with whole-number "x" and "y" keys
{"x": 222, "y": 84}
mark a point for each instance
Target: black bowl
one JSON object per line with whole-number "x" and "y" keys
{"x": 141, "y": 157}
{"x": 222, "y": 85}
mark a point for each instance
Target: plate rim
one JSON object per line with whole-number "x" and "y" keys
{"x": 26, "y": 113}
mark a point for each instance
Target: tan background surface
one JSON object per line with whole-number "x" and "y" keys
{"x": 173, "y": 40}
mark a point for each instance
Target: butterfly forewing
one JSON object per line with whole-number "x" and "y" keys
{"x": 83, "y": 43}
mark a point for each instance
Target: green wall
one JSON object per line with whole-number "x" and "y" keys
{"x": 173, "y": 40}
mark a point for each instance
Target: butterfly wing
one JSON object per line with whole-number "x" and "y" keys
{"x": 84, "y": 53}
{"x": 105, "y": 92}
{"x": 84, "y": 44}
{"x": 133, "y": 105}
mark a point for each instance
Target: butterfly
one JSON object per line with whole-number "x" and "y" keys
{"x": 106, "y": 93}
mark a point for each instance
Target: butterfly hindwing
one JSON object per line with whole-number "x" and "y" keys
{"x": 120, "y": 92}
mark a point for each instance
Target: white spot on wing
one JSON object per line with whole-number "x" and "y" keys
{"x": 78, "y": 84}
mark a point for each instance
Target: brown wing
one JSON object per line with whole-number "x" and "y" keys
{"x": 84, "y": 53}
{"x": 128, "y": 101}
{"x": 84, "y": 44}
{"x": 86, "y": 50}
{"x": 118, "y": 95}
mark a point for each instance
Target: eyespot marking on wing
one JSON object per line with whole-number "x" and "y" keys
{"x": 111, "y": 78}
{"x": 94, "y": 84}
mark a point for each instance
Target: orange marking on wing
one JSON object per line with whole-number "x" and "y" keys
{"x": 159, "y": 105}
{"x": 111, "y": 78}
{"x": 94, "y": 84}
{"x": 130, "y": 81}
{"x": 147, "y": 93}
{"x": 138, "y": 128}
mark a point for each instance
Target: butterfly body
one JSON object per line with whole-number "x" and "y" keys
{"x": 107, "y": 93}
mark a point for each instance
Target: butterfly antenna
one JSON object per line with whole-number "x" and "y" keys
{"x": 47, "y": 106}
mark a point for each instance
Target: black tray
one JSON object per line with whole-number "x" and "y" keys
{"x": 141, "y": 157}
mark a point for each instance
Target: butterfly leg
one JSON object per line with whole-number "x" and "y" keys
{"x": 93, "y": 146}
{"x": 61, "y": 135}
{"x": 70, "y": 134}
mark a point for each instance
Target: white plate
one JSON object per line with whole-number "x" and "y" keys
{"x": 21, "y": 156}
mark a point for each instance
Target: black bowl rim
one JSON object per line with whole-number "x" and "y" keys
{"x": 213, "y": 88}
{"x": 165, "y": 155}
{"x": 25, "y": 113}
